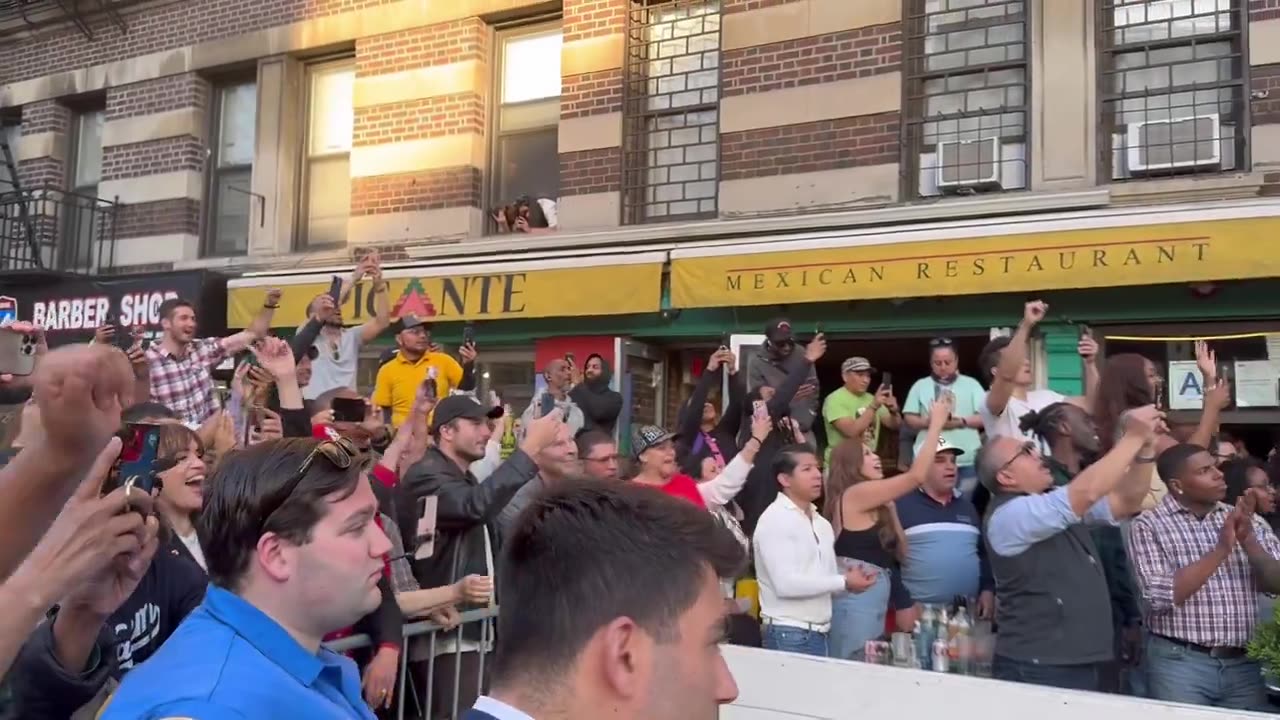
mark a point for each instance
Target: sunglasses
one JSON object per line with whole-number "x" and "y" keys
{"x": 941, "y": 342}
{"x": 1027, "y": 449}
{"x": 340, "y": 453}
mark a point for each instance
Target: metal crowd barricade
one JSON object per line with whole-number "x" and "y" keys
{"x": 438, "y": 643}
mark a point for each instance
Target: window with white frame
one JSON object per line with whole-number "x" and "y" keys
{"x": 78, "y": 245}
{"x": 1172, "y": 87}
{"x": 671, "y": 144}
{"x": 967, "y": 101}
{"x": 526, "y": 148}
{"x": 327, "y": 182}
{"x": 231, "y": 202}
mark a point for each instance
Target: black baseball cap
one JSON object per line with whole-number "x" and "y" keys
{"x": 409, "y": 322}
{"x": 648, "y": 436}
{"x": 779, "y": 331}
{"x": 462, "y": 407}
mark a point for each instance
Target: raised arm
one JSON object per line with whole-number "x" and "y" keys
{"x": 689, "y": 421}
{"x": 381, "y": 304}
{"x": 261, "y": 325}
{"x": 1013, "y": 357}
{"x": 1102, "y": 477}
{"x": 867, "y": 496}
{"x": 798, "y": 369}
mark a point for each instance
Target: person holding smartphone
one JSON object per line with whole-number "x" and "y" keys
{"x": 398, "y": 380}
{"x": 558, "y": 375}
{"x": 336, "y": 348}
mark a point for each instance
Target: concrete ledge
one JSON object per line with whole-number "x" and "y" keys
{"x": 460, "y": 77}
{"x": 418, "y": 155}
{"x": 593, "y": 211}
{"x": 187, "y": 184}
{"x": 40, "y": 145}
{"x": 156, "y": 249}
{"x": 1264, "y": 42}
{"x": 591, "y": 132}
{"x": 141, "y": 128}
{"x": 843, "y": 189}
{"x": 810, "y": 103}
{"x": 414, "y": 225}
{"x": 806, "y": 18}
{"x": 589, "y": 55}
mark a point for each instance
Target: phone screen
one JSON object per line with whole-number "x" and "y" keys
{"x": 886, "y": 379}
{"x": 469, "y": 334}
{"x": 724, "y": 341}
{"x": 759, "y": 409}
{"x": 546, "y": 405}
{"x": 138, "y": 455}
{"x": 349, "y": 409}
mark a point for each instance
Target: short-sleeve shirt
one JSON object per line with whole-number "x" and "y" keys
{"x": 334, "y": 368}
{"x": 969, "y": 398}
{"x": 1006, "y": 424}
{"x": 185, "y": 384}
{"x": 844, "y": 404}
{"x": 398, "y": 381}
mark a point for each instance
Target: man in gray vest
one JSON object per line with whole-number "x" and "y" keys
{"x": 1054, "y": 609}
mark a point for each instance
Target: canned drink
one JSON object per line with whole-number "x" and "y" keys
{"x": 941, "y": 656}
{"x": 884, "y": 652}
{"x": 869, "y": 651}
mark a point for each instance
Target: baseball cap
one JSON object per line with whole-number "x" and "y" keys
{"x": 944, "y": 446}
{"x": 457, "y": 407}
{"x": 648, "y": 436}
{"x": 408, "y": 322}
{"x": 778, "y": 331}
{"x": 856, "y": 364}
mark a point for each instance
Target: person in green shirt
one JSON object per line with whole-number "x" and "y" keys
{"x": 853, "y": 412}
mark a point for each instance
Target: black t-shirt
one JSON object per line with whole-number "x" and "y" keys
{"x": 173, "y": 586}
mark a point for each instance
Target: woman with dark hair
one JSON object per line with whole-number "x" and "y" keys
{"x": 859, "y": 504}
{"x": 1130, "y": 381}
{"x": 1246, "y": 474}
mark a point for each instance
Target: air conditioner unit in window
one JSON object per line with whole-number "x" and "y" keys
{"x": 1187, "y": 142}
{"x": 969, "y": 164}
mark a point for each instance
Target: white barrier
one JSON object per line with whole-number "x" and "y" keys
{"x": 782, "y": 686}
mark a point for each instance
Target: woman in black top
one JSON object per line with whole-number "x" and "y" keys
{"x": 703, "y": 431}
{"x": 859, "y": 504}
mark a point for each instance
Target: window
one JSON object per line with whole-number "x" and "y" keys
{"x": 231, "y": 202}
{"x": 12, "y": 129}
{"x": 80, "y": 211}
{"x": 671, "y": 145}
{"x": 327, "y": 203}
{"x": 1172, "y": 87}
{"x": 966, "y": 98}
{"x": 526, "y": 152}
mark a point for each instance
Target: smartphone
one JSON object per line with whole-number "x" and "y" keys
{"x": 469, "y": 334}
{"x": 429, "y": 384}
{"x": 759, "y": 409}
{"x": 17, "y": 353}
{"x": 137, "y": 461}
{"x": 938, "y": 391}
{"x": 724, "y": 341}
{"x": 335, "y": 290}
{"x": 817, "y": 330}
{"x": 349, "y": 409}
{"x": 886, "y": 379}
{"x": 1085, "y": 331}
{"x": 568, "y": 357}
{"x": 546, "y": 404}
{"x": 424, "y": 540}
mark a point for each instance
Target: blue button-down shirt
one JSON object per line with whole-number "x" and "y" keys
{"x": 229, "y": 661}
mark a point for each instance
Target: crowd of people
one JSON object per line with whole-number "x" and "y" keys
{"x": 1110, "y": 553}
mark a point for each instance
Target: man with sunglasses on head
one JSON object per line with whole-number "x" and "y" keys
{"x": 961, "y": 430}
{"x": 1055, "y": 609}
{"x": 293, "y": 554}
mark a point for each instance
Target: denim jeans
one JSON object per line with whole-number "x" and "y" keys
{"x": 858, "y": 617}
{"x": 1067, "y": 677}
{"x": 787, "y": 638}
{"x": 1179, "y": 674}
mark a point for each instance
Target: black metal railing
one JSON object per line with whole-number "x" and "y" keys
{"x": 47, "y": 229}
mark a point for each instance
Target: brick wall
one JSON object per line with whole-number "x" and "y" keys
{"x": 1264, "y": 9}
{"x": 733, "y": 6}
{"x": 175, "y": 92}
{"x": 1266, "y": 79}
{"x": 589, "y": 94}
{"x": 808, "y": 61}
{"x": 120, "y": 162}
{"x": 162, "y": 217}
{"x": 45, "y": 117}
{"x": 461, "y": 113}
{"x": 810, "y": 147}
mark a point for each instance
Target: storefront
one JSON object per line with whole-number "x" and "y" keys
{"x": 70, "y": 309}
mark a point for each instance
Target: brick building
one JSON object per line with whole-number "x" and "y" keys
{"x": 264, "y": 136}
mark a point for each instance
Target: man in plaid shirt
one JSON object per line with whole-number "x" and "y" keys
{"x": 181, "y": 364}
{"x": 1201, "y": 564}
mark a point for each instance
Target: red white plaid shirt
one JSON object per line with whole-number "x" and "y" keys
{"x": 1223, "y": 611}
{"x": 185, "y": 384}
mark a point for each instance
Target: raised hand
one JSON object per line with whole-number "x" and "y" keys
{"x": 274, "y": 356}
{"x": 816, "y": 348}
{"x": 1087, "y": 347}
{"x": 1144, "y": 422}
{"x": 81, "y": 391}
{"x": 1206, "y": 360}
{"x": 1034, "y": 312}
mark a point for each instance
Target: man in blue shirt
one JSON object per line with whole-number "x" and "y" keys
{"x": 293, "y": 554}
{"x": 945, "y": 558}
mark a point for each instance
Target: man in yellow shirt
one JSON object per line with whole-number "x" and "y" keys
{"x": 399, "y": 378}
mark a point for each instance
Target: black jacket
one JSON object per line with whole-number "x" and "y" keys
{"x": 464, "y": 508}
{"x": 762, "y": 488}
{"x": 41, "y": 689}
{"x": 10, "y": 395}
{"x": 599, "y": 403}
{"x": 689, "y": 422}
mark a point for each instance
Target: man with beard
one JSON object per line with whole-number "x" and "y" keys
{"x": 401, "y": 376}
{"x": 181, "y": 364}
{"x": 467, "y": 537}
{"x": 337, "y": 348}
{"x": 1055, "y": 608}
{"x": 599, "y": 403}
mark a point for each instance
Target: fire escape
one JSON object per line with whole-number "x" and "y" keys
{"x": 45, "y": 231}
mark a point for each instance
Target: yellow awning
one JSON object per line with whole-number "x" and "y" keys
{"x": 1091, "y": 250}
{"x": 561, "y": 287}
